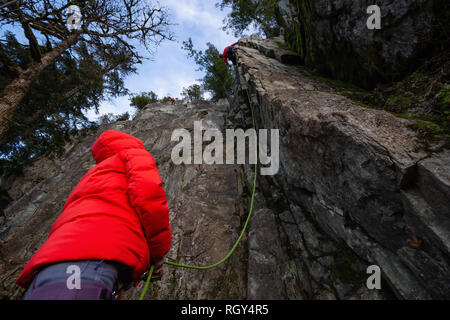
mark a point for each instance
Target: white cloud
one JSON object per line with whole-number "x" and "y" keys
{"x": 199, "y": 12}
{"x": 171, "y": 70}
{"x": 116, "y": 106}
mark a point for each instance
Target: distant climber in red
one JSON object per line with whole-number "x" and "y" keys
{"x": 229, "y": 54}
{"x": 173, "y": 100}
{"x": 114, "y": 224}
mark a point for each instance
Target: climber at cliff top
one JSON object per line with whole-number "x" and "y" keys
{"x": 114, "y": 224}
{"x": 228, "y": 53}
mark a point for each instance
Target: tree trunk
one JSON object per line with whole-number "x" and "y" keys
{"x": 14, "y": 92}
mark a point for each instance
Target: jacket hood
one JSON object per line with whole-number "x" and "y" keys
{"x": 112, "y": 142}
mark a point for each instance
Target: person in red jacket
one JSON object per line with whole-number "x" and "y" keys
{"x": 228, "y": 53}
{"x": 113, "y": 225}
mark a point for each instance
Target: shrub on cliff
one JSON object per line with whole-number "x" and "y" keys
{"x": 218, "y": 79}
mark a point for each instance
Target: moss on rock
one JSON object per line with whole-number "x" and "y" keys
{"x": 443, "y": 101}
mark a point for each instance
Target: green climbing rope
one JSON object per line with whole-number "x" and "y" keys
{"x": 147, "y": 282}
{"x": 243, "y": 229}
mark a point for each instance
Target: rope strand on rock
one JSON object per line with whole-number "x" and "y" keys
{"x": 175, "y": 264}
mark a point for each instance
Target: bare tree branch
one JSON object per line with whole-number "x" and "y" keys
{"x": 7, "y": 4}
{"x": 105, "y": 24}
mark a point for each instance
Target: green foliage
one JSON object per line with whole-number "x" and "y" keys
{"x": 91, "y": 67}
{"x": 54, "y": 108}
{"x": 144, "y": 98}
{"x": 106, "y": 119}
{"x": 218, "y": 79}
{"x": 443, "y": 100}
{"x": 111, "y": 118}
{"x": 123, "y": 117}
{"x": 432, "y": 134}
{"x": 244, "y": 13}
{"x": 193, "y": 93}
{"x": 402, "y": 100}
{"x": 166, "y": 99}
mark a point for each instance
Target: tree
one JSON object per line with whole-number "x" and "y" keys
{"x": 193, "y": 93}
{"x": 111, "y": 118}
{"x": 53, "y": 109}
{"x": 165, "y": 99}
{"x": 143, "y": 99}
{"x": 245, "y": 13}
{"x": 218, "y": 79}
{"x": 107, "y": 27}
{"x": 123, "y": 117}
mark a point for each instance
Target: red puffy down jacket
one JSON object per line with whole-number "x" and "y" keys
{"x": 118, "y": 211}
{"x": 225, "y": 52}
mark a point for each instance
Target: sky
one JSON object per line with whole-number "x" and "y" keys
{"x": 170, "y": 69}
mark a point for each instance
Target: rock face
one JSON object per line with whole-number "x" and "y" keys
{"x": 206, "y": 205}
{"x": 353, "y": 190}
{"x": 332, "y": 36}
{"x": 358, "y": 173}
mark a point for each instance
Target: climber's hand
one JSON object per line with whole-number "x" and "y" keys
{"x": 158, "y": 263}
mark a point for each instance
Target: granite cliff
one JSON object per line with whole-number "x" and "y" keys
{"x": 332, "y": 37}
{"x": 355, "y": 188}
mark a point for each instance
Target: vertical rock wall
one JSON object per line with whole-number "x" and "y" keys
{"x": 359, "y": 174}
{"x": 332, "y": 36}
{"x": 353, "y": 189}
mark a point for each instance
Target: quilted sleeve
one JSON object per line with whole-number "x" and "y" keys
{"x": 148, "y": 197}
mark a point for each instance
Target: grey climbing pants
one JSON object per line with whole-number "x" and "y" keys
{"x": 75, "y": 280}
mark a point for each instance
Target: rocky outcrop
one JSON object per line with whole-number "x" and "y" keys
{"x": 284, "y": 255}
{"x": 332, "y": 36}
{"x": 358, "y": 174}
{"x": 206, "y": 206}
{"x": 353, "y": 190}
